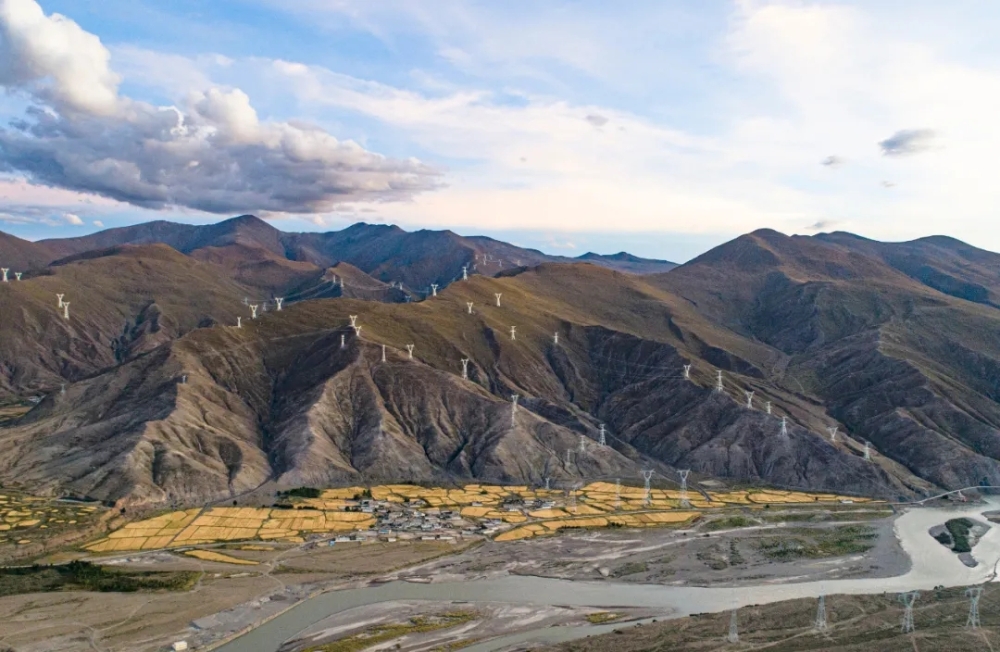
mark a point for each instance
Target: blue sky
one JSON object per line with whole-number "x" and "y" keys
{"x": 658, "y": 128}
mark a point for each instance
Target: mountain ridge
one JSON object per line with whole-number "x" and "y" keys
{"x": 417, "y": 259}
{"x": 167, "y": 400}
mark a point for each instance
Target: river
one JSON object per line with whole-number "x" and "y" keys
{"x": 931, "y": 565}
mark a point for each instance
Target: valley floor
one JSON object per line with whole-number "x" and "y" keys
{"x": 228, "y": 598}
{"x": 856, "y": 623}
{"x": 244, "y": 584}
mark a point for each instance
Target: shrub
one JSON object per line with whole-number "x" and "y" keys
{"x": 304, "y": 492}
{"x": 959, "y": 530}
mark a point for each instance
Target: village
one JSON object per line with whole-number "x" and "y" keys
{"x": 390, "y": 513}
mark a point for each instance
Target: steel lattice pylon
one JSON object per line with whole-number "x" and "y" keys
{"x": 974, "y": 593}
{"x": 734, "y": 634}
{"x": 908, "y": 599}
{"x": 821, "y": 613}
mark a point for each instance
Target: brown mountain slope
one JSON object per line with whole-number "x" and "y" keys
{"x": 626, "y": 262}
{"x": 123, "y": 302}
{"x": 260, "y": 269}
{"x": 945, "y": 264}
{"x": 281, "y": 399}
{"x": 897, "y": 362}
{"x": 19, "y": 255}
{"x": 388, "y": 253}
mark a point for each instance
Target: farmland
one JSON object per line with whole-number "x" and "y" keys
{"x": 197, "y": 526}
{"x": 506, "y": 513}
{"x": 27, "y": 520}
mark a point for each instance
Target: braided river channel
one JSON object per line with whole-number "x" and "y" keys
{"x": 931, "y": 565}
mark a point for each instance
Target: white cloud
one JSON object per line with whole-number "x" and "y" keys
{"x": 56, "y": 59}
{"x": 542, "y": 162}
{"x": 906, "y": 142}
{"x": 23, "y": 215}
{"x": 832, "y": 77}
{"x": 802, "y": 80}
{"x": 99, "y": 224}
{"x": 214, "y": 155}
{"x": 786, "y": 85}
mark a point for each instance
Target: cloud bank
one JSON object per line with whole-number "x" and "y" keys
{"x": 211, "y": 154}
{"x": 907, "y": 141}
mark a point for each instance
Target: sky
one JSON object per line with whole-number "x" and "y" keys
{"x": 660, "y": 128}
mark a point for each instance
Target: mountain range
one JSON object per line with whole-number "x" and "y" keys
{"x": 260, "y": 255}
{"x": 150, "y": 392}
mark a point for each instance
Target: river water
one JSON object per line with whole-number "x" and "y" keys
{"x": 932, "y": 565}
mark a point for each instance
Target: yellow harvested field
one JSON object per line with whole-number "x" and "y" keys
{"x": 211, "y": 555}
{"x": 274, "y": 534}
{"x": 584, "y": 509}
{"x": 731, "y": 497}
{"x": 348, "y": 517}
{"x": 626, "y": 520}
{"x": 668, "y": 517}
{"x": 768, "y": 497}
{"x": 36, "y": 518}
{"x": 515, "y": 534}
{"x": 227, "y": 524}
{"x": 547, "y": 513}
{"x": 296, "y": 513}
{"x": 704, "y": 504}
{"x": 576, "y": 522}
{"x": 595, "y": 505}
{"x": 345, "y": 493}
{"x": 153, "y": 543}
{"x": 329, "y": 505}
{"x": 606, "y": 487}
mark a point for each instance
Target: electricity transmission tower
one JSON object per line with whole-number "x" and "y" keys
{"x": 647, "y": 476}
{"x": 821, "y": 613}
{"x": 908, "y": 599}
{"x": 974, "y": 593}
{"x": 734, "y": 634}
{"x": 684, "y": 487}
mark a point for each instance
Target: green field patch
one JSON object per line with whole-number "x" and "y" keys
{"x": 818, "y": 543}
{"x": 83, "y": 576}
{"x": 602, "y": 617}
{"x": 378, "y": 634}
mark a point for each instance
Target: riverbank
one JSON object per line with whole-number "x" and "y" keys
{"x": 775, "y": 551}
{"x": 932, "y": 565}
{"x": 853, "y": 623}
{"x": 278, "y": 592}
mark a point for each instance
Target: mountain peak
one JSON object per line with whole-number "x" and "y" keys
{"x": 251, "y": 222}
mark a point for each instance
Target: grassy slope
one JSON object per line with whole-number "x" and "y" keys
{"x": 856, "y": 624}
